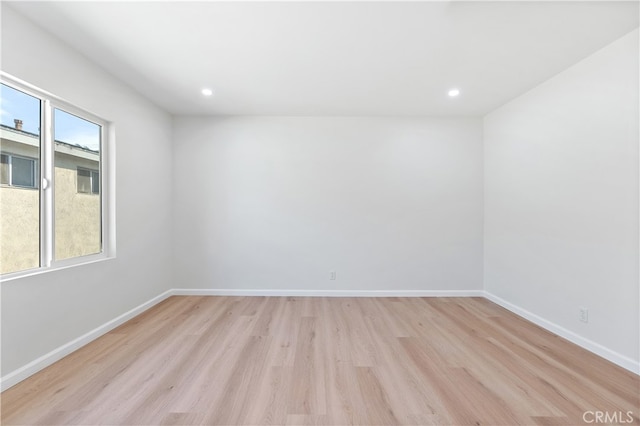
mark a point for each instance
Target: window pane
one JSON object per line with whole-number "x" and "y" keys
{"x": 23, "y": 172}
{"x": 78, "y": 221}
{"x": 19, "y": 208}
{"x": 4, "y": 169}
{"x": 84, "y": 181}
{"x": 95, "y": 182}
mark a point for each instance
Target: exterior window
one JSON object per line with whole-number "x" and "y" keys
{"x": 56, "y": 224}
{"x": 88, "y": 181}
{"x": 23, "y": 172}
{"x": 19, "y": 171}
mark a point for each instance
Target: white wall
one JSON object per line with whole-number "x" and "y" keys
{"x": 276, "y": 203}
{"x": 43, "y": 312}
{"x": 561, "y": 200}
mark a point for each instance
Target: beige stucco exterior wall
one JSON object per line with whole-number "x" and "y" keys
{"x": 77, "y": 215}
{"x": 20, "y": 229}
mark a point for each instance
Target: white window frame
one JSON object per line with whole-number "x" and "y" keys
{"x": 106, "y": 173}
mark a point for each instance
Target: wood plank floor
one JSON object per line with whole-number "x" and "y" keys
{"x": 325, "y": 361}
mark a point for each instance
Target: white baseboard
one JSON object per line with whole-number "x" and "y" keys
{"x": 33, "y": 367}
{"x": 606, "y": 353}
{"x": 46, "y": 360}
{"x": 326, "y": 293}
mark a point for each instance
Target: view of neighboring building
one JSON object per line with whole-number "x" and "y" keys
{"x": 77, "y": 201}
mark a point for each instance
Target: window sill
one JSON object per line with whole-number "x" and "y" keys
{"x": 64, "y": 264}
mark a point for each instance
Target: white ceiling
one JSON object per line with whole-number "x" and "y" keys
{"x": 334, "y": 58}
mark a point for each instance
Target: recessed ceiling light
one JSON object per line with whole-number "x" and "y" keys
{"x": 207, "y": 92}
{"x": 454, "y": 92}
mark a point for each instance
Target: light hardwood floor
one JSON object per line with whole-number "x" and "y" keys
{"x": 325, "y": 361}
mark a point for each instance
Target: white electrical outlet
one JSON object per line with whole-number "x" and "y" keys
{"x": 584, "y": 315}
{"x": 332, "y": 275}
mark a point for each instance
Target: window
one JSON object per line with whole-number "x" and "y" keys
{"x": 59, "y": 152}
{"x": 88, "y": 181}
{"x": 23, "y": 172}
{"x": 18, "y": 171}
{"x": 77, "y": 157}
